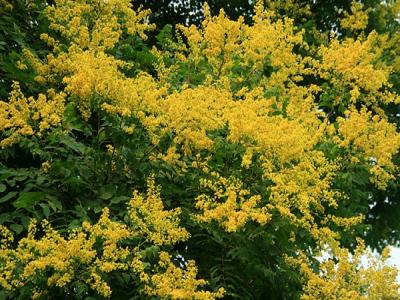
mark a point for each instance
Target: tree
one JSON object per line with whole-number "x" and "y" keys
{"x": 20, "y": 25}
{"x": 232, "y": 152}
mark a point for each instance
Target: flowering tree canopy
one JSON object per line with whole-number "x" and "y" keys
{"x": 252, "y": 158}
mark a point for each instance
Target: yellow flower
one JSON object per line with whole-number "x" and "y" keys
{"x": 229, "y": 205}
{"x": 346, "y": 276}
{"x": 46, "y": 166}
{"x": 357, "y": 19}
{"x": 149, "y": 218}
{"x": 22, "y": 116}
{"x": 176, "y": 283}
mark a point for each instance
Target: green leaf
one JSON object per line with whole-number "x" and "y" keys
{"x": 3, "y": 295}
{"x": 7, "y": 197}
{"x": 74, "y": 224}
{"x": 150, "y": 252}
{"x": 72, "y": 144}
{"x": 119, "y": 199}
{"x": 97, "y": 209}
{"x": 45, "y": 209}
{"x": 2, "y": 187}
{"x": 54, "y": 203}
{"x": 28, "y": 200}
{"x": 17, "y": 228}
{"x": 105, "y": 195}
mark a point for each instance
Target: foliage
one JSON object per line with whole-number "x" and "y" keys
{"x": 20, "y": 26}
{"x": 237, "y": 151}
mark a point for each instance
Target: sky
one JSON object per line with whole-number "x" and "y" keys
{"x": 395, "y": 260}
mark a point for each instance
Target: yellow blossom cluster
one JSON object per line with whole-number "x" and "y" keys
{"x": 360, "y": 276}
{"x": 374, "y": 139}
{"x": 294, "y": 9}
{"x": 176, "y": 283}
{"x": 301, "y": 192}
{"x": 89, "y": 74}
{"x": 350, "y": 66}
{"x": 276, "y": 137}
{"x": 81, "y": 58}
{"x": 229, "y": 204}
{"x": 219, "y": 40}
{"x": 172, "y": 158}
{"x": 224, "y": 43}
{"x": 21, "y": 116}
{"x": 192, "y": 113}
{"x": 357, "y": 19}
{"x": 73, "y": 19}
{"x": 63, "y": 260}
{"x": 149, "y": 218}
{"x": 91, "y": 251}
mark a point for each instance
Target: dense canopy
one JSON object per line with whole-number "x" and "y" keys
{"x": 246, "y": 154}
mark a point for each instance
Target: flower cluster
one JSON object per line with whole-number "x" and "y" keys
{"x": 351, "y": 278}
{"x": 22, "y": 116}
{"x": 151, "y": 221}
{"x": 59, "y": 261}
{"x": 90, "y": 252}
{"x": 229, "y": 204}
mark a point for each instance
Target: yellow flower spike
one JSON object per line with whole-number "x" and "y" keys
{"x": 247, "y": 158}
{"x": 23, "y": 116}
{"x": 375, "y": 139}
{"x": 357, "y": 19}
{"x": 97, "y": 284}
{"x": 350, "y": 66}
{"x": 173, "y": 282}
{"x": 349, "y": 276}
{"x": 59, "y": 256}
{"x": 72, "y": 21}
{"x": 229, "y": 204}
{"x": 6, "y": 237}
{"x": 149, "y": 218}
